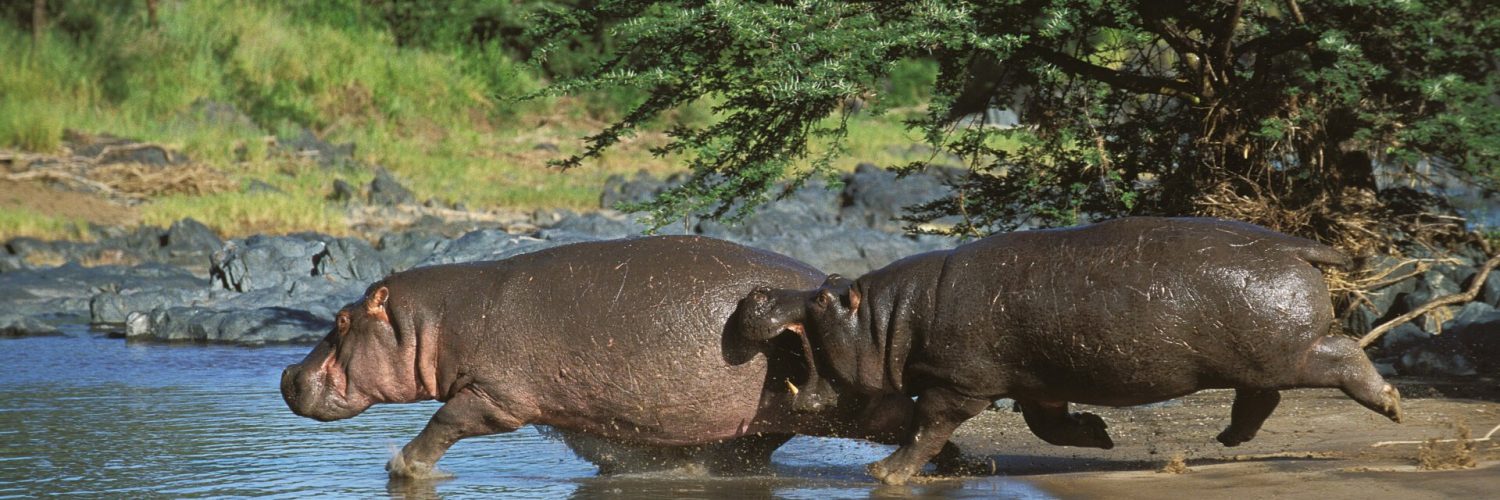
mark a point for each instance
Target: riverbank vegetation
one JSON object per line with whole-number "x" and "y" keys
{"x": 435, "y": 92}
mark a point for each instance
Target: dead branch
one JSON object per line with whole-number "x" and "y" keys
{"x": 1465, "y": 296}
{"x": 1486, "y": 437}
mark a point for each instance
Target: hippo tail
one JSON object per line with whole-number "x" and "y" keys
{"x": 1319, "y": 254}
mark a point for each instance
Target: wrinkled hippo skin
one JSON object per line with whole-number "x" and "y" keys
{"x": 622, "y": 343}
{"x": 1120, "y": 313}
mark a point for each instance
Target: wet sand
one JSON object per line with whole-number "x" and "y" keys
{"x": 1318, "y": 444}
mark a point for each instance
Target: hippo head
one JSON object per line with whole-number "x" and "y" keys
{"x": 366, "y": 359}
{"x": 828, "y": 317}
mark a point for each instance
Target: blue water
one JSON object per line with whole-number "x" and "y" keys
{"x": 85, "y": 415}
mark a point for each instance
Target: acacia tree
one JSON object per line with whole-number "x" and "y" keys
{"x": 1274, "y": 111}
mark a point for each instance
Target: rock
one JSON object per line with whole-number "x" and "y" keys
{"x": 260, "y": 186}
{"x": 494, "y": 244}
{"x": 10, "y": 263}
{"x": 220, "y": 114}
{"x": 385, "y": 190}
{"x": 307, "y": 145}
{"x": 15, "y": 325}
{"x": 643, "y": 187}
{"x": 1403, "y": 337}
{"x": 263, "y": 262}
{"x": 343, "y": 192}
{"x": 602, "y": 224}
{"x": 1477, "y": 329}
{"x": 875, "y": 197}
{"x": 190, "y": 238}
{"x": 403, "y": 250}
{"x": 350, "y": 260}
{"x": 546, "y": 147}
{"x": 67, "y": 290}
{"x": 806, "y": 212}
{"x": 1435, "y": 360}
{"x": 246, "y": 327}
{"x": 1490, "y": 292}
{"x": 116, "y": 307}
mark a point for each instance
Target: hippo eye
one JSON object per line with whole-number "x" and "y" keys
{"x": 343, "y": 322}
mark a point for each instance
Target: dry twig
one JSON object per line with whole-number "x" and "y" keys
{"x": 1457, "y": 298}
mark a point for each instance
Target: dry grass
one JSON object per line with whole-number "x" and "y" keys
{"x": 1177, "y": 465}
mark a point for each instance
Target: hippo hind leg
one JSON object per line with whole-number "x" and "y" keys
{"x": 1337, "y": 361}
{"x": 746, "y": 454}
{"x": 1250, "y": 410}
{"x": 1051, "y": 421}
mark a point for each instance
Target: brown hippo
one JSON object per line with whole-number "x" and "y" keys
{"x": 1120, "y": 313}
{"x": 619, "y": 344}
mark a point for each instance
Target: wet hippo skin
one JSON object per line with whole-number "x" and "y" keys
{"x": 618, "y": 345}
{"x": 1119, "y": 313}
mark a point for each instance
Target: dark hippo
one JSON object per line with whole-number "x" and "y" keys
{"x": 1119, "y": 313}
{"x": 619, "y": 345}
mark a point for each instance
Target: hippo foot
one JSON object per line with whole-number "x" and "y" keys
{"x": 1094, "y": 432}
{"x": 401, "y": 468}
{"x": 884, "y": 473}
{"x": 1231, "y": 438}
{"x": 1392, "y": 405}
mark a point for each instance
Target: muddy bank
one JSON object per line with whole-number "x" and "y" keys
{"x": 1318, "y": 444}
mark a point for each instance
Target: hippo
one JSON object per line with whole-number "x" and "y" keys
{"x": 1119, "y": 313}
{"x": 620, "y": 346}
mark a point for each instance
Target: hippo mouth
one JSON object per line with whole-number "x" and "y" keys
{"x": 320, "y": 394}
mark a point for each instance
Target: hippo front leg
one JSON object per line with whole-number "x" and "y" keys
{"x": 939, "y": 412}
{"x": 1050, "y": 421}
{"x": 465, "y": 415}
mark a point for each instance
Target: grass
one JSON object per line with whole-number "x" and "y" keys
{"x": 445, "y": 123}
{"x": 16, "y": 222}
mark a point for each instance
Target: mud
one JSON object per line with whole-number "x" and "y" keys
{"x": 1318, "y": 444}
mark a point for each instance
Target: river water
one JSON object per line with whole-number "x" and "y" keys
{"x": 86, "y": 415}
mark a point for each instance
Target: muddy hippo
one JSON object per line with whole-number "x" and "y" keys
{"x": 1119, "y": 313}
{"x": 618, "y": 345}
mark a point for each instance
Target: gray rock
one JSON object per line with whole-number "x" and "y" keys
{"x": 246, "y": 327}
{"x": 1404, "y": 337}
{"x": 307, "y": 145}
{"x": 1477, "y": 330}
{"x": 259, "y": 186}
{"x": 603, "y": 225}
{"x": 343, "y": 192}
{"x": 875, "y": 197}
{"x": 10, "y": 263}
{"x": 66, "y": 290}
{"x": 264, "y": 262}
{"x": 15, "y": 325}
{"x": 1434, "y": 360}
{"x": 403, "y": 250}
{"x": 350, "y": 260}
{"x": 116, "y": 307}
{"x": 640, "y": 188}
{"x": 190, "y": 238}
{"x": 494, "y": 244}
{"x": 385, "y": 190}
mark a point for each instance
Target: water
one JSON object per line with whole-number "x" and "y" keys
{"x": 84, "y": 415}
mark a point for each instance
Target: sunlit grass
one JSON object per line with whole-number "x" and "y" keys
{"x": 15, "y": 222}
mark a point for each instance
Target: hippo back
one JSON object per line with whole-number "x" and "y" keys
{"x": 1126, "y": 306}
{"x": 619, "y": 338}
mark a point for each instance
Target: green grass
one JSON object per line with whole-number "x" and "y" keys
{"x": 16, "y": 222}
{"x": 444, "y": 121}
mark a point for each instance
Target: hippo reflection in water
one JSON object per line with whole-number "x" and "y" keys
{"x": 620, "y": 344}
{"x": 1120, "y": 313}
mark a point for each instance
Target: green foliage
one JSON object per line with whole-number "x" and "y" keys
{"x": 1129, "y": 107}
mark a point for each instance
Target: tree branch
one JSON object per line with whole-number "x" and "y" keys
{"x": 1129, "y": 81}
{"x": 1465, "y": 296}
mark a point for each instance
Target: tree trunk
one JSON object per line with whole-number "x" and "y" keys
{"x": 38, "y": 19}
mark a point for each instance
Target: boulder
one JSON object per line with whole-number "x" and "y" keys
{"x": 385, "y": 190}
{"x": 15, "y": 325}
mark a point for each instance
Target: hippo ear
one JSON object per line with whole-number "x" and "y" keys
{"x": 376, "y": 303}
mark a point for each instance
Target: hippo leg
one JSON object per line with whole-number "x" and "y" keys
{"x": 1337, "y": 361}
{"x": 465, "y": 415}
{"x": 1251, "y": 407}
{"x": 939, "y": 412}
{"x": 747, "y": 454}
{"x": 1051, "y": 421}
{"x": 887, "y": 421}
